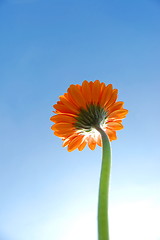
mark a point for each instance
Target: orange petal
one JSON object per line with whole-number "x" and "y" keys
{"x": 115, "y": 125}
{"x": 62, "y": 135}
{"x": 111, "y": 134}
{"x": 77, "y": 96}
{"x": 117, "y": 120}
{"x": 78, "y": 86}
{"x": 82, "y": 146}
{"x": 68, "y": 104}
{"x": 99, "y": 140}
{"x": 86, "y": 91}
{"x": 62, "y": 126}
{"x": 62, "y": 118}
{"x": 106, "y": 95}
{"x": 103, "y": 86}
{"x": 118, "y": 114}
{"x": 62, "y": 108}
{"x": 65, "y": 142}
{"x": 91, "y": 85}
{"x": 68, "y": 130}
{"x": 96, "y": 91}
{"x": 91, "y": 143}
{"x": 75, "y": 143}
{"x": 112, "y": 99}
{"x": 115, "y": 106}
{"x": 67, "y": 114}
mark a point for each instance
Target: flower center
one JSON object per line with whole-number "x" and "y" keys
{"x": 93, "y": 116}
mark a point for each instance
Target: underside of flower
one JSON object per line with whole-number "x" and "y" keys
{"x": 84, "y": 108}
{"x": 91, "y": 117}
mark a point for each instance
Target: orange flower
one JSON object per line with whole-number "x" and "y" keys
{"x": 84, "y": 108}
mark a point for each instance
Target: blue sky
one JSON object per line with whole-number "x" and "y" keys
{"x": 46, "y": 192}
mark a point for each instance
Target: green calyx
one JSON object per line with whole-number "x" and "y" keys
{"x": 88, "y": 118}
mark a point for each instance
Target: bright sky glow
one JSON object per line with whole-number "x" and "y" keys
{"x": 46, "y": 192}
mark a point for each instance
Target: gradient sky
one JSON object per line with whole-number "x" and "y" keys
{"x": 46, "y": 192}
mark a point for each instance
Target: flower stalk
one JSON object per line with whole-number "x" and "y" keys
{"x": 103, "y": 222}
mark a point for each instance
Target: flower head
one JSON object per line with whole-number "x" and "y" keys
{"x": 82, "y": 110}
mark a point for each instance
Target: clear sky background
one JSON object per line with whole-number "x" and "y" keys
{"x": 47, "y": 193}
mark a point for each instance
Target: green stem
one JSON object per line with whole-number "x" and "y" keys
{"x": 103, "y": 226}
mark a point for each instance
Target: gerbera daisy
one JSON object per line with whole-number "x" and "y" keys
{"x": 82, "y": 110}
{"x": 89, "y": 114}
